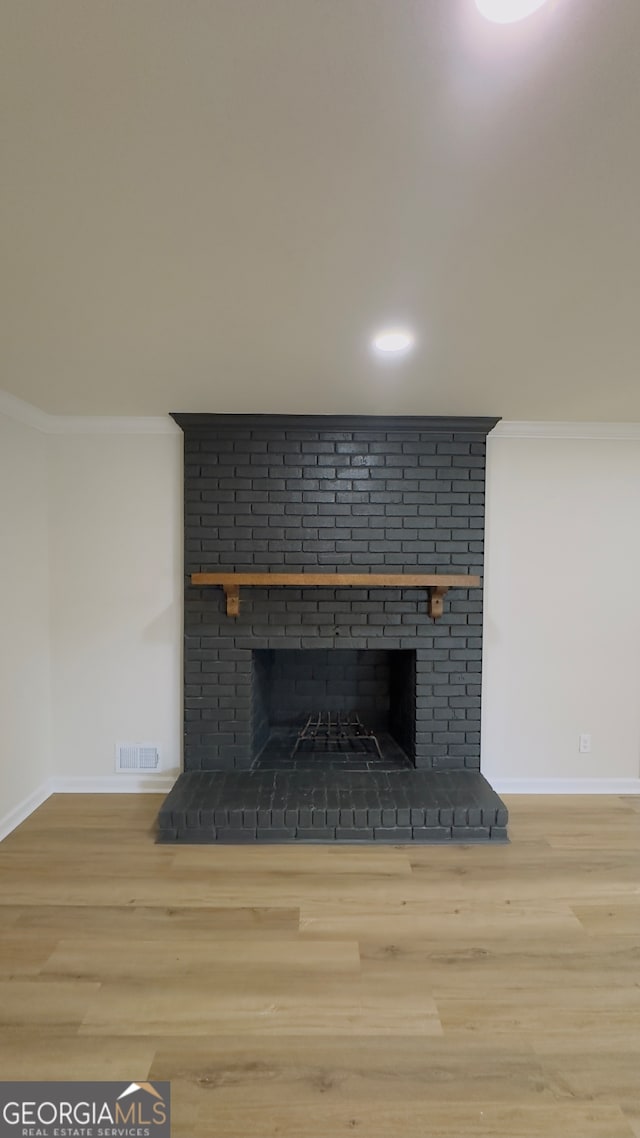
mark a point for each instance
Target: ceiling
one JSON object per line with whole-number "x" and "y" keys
{"x": 211, "y": 205}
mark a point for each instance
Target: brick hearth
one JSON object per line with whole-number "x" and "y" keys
{"x": 267, "y": 494}
{"x": 333, "y": 805}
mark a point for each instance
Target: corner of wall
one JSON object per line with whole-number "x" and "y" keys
{"x": 25, "y": 680}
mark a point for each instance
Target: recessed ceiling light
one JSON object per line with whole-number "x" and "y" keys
{"x": 393, "y": 341}
{"x": 508, "y": 11}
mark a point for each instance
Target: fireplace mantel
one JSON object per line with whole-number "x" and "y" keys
{"x": 369, "y": 521}
{"x": 436, "y": 584}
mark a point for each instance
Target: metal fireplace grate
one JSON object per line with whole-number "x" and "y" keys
{"x": 333, "y": 731}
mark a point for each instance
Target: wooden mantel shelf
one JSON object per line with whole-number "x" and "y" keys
{"x": 436, "y": 584}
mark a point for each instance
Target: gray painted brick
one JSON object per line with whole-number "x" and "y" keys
{"x": 276, "y": 834}
{"x": 273, "y": 507}
{"x": 432, "y": 833}
{"x": 393, "y": 834}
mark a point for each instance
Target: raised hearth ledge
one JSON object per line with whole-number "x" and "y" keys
{"x": 329, "y": 806}
{"x": 436, "y": 584}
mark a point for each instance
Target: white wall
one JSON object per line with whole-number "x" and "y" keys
{"x": 24, "y": 618}
{"x": 562, "y": 637}
{"x": 116, "y": 588}
{"x": 562, "y": 648}
{"x": 562, "y": 609}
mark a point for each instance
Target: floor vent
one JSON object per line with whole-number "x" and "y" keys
{"x": 137, "y": 757}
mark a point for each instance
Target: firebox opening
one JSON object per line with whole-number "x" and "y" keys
{"x": 363, "y": 700}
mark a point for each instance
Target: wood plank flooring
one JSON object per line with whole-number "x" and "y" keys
{"x": 316, "y": 991}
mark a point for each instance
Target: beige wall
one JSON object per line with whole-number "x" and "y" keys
{"x": 561, "y": 653}
{"x": 116, "y": 584}
{"x": 562, "y": 614}
{"x": 562, "y": 609}
{"x": 24, "y": 618}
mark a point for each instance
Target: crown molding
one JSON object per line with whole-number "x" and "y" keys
{"x": 111, "y": 425}
{"x": 22, "y": 412}
{"x": 512, "y": 429}
{"x": 30, "y": 416}
{"x": 478, "y": 425}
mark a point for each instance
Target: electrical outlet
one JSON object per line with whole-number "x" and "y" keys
{"x": 584, "y": 744}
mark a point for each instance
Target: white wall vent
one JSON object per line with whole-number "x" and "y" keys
{"x": 137, "y": 757}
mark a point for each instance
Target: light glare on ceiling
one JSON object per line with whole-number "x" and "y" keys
{"x": 393, "y": 341}
{"x": 508, "y": 11}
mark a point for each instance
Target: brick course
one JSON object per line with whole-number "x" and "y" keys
{"x": 320, "y": 494}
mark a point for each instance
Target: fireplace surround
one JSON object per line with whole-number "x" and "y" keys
{"x": 332, "y": 495}
{"x": 334, "y": 688}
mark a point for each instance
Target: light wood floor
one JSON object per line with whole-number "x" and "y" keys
{"x": 320, "y": 991}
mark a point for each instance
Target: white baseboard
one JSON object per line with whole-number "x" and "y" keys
{"x": 21, "y": 812}
{"x": 105, "y": 784}
{"x": 115, "y": 784}
{"x": 565, "y": 785}
{"x": 162, "y": 784}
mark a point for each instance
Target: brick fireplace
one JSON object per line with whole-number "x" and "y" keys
{"x": 317, "y": 496}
